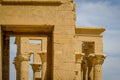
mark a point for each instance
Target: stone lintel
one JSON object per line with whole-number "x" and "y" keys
{"x": 45, "y": 28}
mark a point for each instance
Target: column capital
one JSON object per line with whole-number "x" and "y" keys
{"x": 79, "y": 57}
{"x": 43, "y": 56}
{"x": 36, "y": 67}
{"x": 22, "y": 57}
{"x": 16, "y": 64}
{"x": 95, "y": 59}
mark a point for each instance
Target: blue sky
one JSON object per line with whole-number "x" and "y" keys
{"x": 98, "y": 13}
{"x": 106, "y": 14}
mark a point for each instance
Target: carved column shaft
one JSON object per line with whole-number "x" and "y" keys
{"x": 98, "y": 72}
{"x": 24, "y": 70}
{"x": 97, "y": 61}
{"x": 85, "y": 68}
{"x": 21, "y": 65}
{"x": 79, "y": 58}
{"x": 17, "y": 67}
{"x": 90, "y": 72}
{"x": 90, "y": 67}
{"x": 24, "y": 67}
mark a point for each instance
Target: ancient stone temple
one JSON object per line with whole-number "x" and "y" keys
{"x": 46, "y": 29}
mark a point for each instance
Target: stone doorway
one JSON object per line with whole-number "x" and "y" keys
{"x": 25, "y": 31}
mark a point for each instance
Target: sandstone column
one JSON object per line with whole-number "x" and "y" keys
{"x": 43, "y": 56}
{"x": 36, "y": 66}
{"x": 79, "y": 58}
{"x": 24, "y": 73}
{"x": 36, "y": 69}
{"x": 17, "y": 67}
{"x": 97, "y": 61}
{"x": 85, "y": 68}
{"x": 90, "y": 66}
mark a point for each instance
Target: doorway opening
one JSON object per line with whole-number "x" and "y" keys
{"x": 27, "y": 54}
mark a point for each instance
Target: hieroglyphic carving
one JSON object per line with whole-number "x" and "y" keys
{"x": 88, "y": 47}
{"x": 78, "y": 61}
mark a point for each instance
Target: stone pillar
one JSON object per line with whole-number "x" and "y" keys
{"x": 17, "y": 67}
{"x": 85, "y": 68}
{"x": 24, "y": 67}
{"x": 36, "y": 69}
{"x": 5, "y": 58}
{"x": 78, "y": 61}
{"x": 97, "y": 61}
{"x": 21, "y": 65}
{"x": 43, "y": 56}
{"x": 0, "y": 53}
{"x": 36, "y": 64}
{"x": 90, "y": 67}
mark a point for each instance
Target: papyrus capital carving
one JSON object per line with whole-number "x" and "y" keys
{"x": 36, "y": 67}
{"x": 95, "y": 59}
{"x": 43, "y": 56}
{"x": 78, "y": 57}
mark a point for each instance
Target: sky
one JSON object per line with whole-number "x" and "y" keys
{"x": 106, "y": 14}
{"x": 97, "y": 13}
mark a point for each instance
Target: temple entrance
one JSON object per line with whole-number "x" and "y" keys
{"x": 36, "y": 41}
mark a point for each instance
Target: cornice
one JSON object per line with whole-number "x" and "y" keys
{"x": 89, "y": 31}
{"x": 31, "y": 2}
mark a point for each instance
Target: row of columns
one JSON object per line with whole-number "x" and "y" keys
{"x": 22, "y": 65}
{"x": 89, "y": 68}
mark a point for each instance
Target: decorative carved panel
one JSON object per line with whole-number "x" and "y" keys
{"x": 88, "y": 47}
